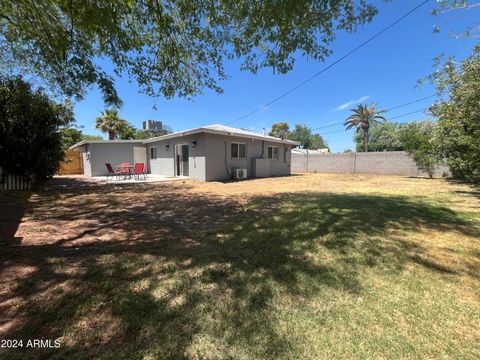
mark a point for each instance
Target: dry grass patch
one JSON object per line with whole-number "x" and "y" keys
{"x": 308, "y": 266}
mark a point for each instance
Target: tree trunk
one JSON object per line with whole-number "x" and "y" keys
{"x": 365, "y": 140}
{"x": 111, "y": 135}
{"x": 430, "y": 172}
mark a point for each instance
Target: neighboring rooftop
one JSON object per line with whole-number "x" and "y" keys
{"x": 308, "y": 151}
{"x": 211, "y": 129}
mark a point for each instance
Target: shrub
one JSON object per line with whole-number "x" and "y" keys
{"x": 30, "y": 140}
{"x": 422, "y": 140}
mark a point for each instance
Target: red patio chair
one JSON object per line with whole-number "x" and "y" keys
{"x": 139, "y": 170}
{"x": 111, "y": 172}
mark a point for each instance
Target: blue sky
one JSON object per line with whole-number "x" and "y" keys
{"x": 385, "y": 71}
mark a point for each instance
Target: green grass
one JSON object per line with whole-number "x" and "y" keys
{"x": 310, "y": 274}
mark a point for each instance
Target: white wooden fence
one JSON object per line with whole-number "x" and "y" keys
{"x": 16, "y": 182}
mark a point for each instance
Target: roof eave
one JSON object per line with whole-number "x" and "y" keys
{"x": 74, "y": 146}
{"x": 85, "y": 142}
{"x": 216, "y": 132}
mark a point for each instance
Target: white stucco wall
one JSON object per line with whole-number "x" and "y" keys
{"x": 218, "y": 148}
{"x": 165, "y": 164}
{"x": 112, "y": 153}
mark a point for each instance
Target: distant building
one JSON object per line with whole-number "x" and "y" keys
{"x": 156, "y": 126}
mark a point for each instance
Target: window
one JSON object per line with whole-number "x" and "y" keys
{"x": 153, "y": 152}
{"x": 238, "y": 151}
{"x": 272, "y": 152}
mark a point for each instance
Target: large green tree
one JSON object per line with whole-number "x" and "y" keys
{"x": 363, "y": 117}
{"x": 111, "y": 123}
{"x": 383, "y": 137}
{"x": 280, "y": 130}
{"x": 30, "y": 124}
{"x": 91, "y": 137}
{"x": 144, "y": 134}
{"x": 459, "y": 115}
{"x": 168, "y": 47}
{"x": 73, "y": 134}
{"x": 455, "y": 7}
{"x": 70, "y": 136}
{"x": 307, "y": 139}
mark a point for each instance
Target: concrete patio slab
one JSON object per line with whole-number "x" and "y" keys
{"x": 149, "y": 179}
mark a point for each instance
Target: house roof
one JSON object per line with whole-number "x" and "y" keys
{"x": 83, "y": 142}
{"x": 210, "y": 129}
{"x": 220, "y": 130}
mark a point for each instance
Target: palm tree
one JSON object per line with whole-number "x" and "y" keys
{"x": 362, "y": 118}
{"x": 110, "y": 122}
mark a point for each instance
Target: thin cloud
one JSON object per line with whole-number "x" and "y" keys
{"x": 348, "y": 104}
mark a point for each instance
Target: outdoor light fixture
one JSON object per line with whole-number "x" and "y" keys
{"x": 194, "y": 143}
{"x": 167, "y": 147}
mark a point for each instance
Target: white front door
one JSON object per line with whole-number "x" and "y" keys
{"x": 140, "y": 154}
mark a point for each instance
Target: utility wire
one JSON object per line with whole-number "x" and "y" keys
{"x": 410, "y": 113}
{"x": 332, "y": 64}
{"x": 390, "y": 109}
{"x": 411, "y": 102}
{"x": 396, "y": 117}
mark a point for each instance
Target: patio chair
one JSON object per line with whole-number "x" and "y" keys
{"x": 139, "y": 170}
{"x": 111, "y": 172}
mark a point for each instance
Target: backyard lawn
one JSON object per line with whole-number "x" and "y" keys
{"x": 307, "y": 266}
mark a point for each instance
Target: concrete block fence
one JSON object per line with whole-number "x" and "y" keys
{"x": 380, "y": 163}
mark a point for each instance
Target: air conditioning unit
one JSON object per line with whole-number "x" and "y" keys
{"x": 239, "y": 174}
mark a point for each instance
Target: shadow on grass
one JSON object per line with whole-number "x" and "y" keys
{"x": 13, "y": 205}
{"x": 469, "y": 193}
{"x": 189, "y": 275}
{"x": 253, "y": 179}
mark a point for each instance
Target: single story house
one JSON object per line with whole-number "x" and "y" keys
{"x": 209, "y": 153}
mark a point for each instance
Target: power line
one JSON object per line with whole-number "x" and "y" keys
{"x": 396, "y": 117}
{"x": 332, "y": 64}
{"x": 327, "y": 126}
{"x": 332, "y": 132}
{"x": 410, "y": 113}
{"x": 411, "y": 102}
{"x": 390, "y": 109}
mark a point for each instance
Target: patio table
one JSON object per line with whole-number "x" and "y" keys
{"x": 124, "y": 173}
